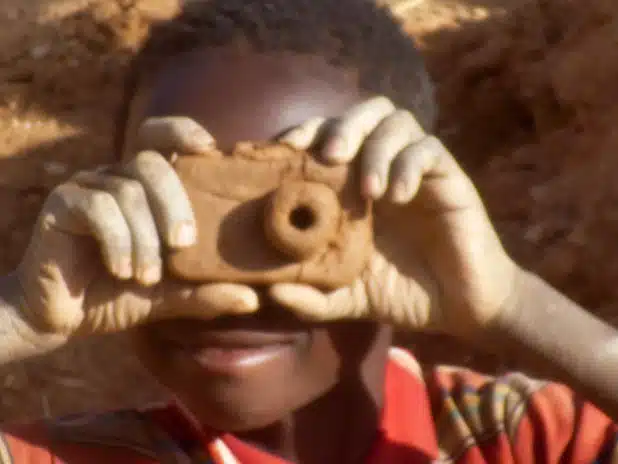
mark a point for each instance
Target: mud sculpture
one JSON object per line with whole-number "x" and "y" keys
{"x": 268, "y": 213}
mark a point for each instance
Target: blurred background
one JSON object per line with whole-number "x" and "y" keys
{"x": 528, "y": 92}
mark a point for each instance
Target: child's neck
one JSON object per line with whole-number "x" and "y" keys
{"x": 339, "y": 427}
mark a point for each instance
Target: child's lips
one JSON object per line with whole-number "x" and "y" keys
{"x": 235, "y": 361}
{"x": 230, "y": 339}
{"x": 234, "y": 351}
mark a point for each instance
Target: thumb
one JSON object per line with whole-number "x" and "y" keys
{"x": 123, "y": 305}
{"x": 310, "y": 303}
{"x": 206, "y": 301}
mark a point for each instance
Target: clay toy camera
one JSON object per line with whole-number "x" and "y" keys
{"x": 267, "y": 213}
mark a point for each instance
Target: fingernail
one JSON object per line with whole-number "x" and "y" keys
{"x": 335, "y": 148}
{"x": 400, "y": 192}
{"x": 123, "y": 268}
{"x": 291, "y": 138}
{"x": 242, "y": 307}
{"x": 373, "y": 186}
{"x": 150, "y": 274}
{"x": 184, "y": 234}
{"x": 202, "y": 140}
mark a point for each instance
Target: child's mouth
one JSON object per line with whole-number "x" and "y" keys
{"x": 228, "y": 360}
{"x": 233, "y": 351}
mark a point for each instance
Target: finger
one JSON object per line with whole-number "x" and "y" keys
{"x": 131, "y": 198}
{"x": 310, "y": 303}
{"x": 82, "y": 211}
{"x": 167, "y": 197}
{"x": 174, "y": 134}
{"x": 413, "y": 163}
{"x": 348, "y": 133}
{"x": 304, "y": 136}
{"x": 130, "y": 305}
{"x": 391, "y": 136}
{"x": 206, "y": 301}
{"x": 307, "y": 302}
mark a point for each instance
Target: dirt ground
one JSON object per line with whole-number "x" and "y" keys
{"x": 528, "y": 92}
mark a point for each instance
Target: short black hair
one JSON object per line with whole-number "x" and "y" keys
{"x": 357, "y": 34}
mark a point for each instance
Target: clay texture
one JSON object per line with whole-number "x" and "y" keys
{"x": 267, "y": 213}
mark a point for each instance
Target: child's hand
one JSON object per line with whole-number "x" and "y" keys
{"x": 438, "y": 263}
{"x": 126, "y": 215}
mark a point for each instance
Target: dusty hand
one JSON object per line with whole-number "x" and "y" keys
{"x": 438, "y": 264}
{"x": 94, "y": 261}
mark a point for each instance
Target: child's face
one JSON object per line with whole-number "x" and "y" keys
{"x": 241, "y": 373}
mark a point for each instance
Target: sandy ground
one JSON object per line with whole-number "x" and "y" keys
{"x": 528, "y": 92}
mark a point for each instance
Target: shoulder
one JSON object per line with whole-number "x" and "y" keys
{"x": 513, "y": 417}
{"x": 119, "y": 437}
{"x": 473, "y": 410}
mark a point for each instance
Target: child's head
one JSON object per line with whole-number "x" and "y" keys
{"x": 247, "y": 69}
{"x": 355, "y": 35}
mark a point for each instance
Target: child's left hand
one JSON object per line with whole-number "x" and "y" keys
{"x": 438, "y": 263}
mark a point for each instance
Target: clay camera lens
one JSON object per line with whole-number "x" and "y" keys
{"x": 303, "y": 217}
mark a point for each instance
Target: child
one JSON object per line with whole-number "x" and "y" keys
{"x": 288, "y": 373}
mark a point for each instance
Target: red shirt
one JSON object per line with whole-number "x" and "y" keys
{"x": 448, "y": 415}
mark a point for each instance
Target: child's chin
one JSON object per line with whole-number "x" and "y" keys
{"x": 237, "y": 411}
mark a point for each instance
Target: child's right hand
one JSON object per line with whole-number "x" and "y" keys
{"x": 438, "y": 263}
{"x": 127, "y": 216}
